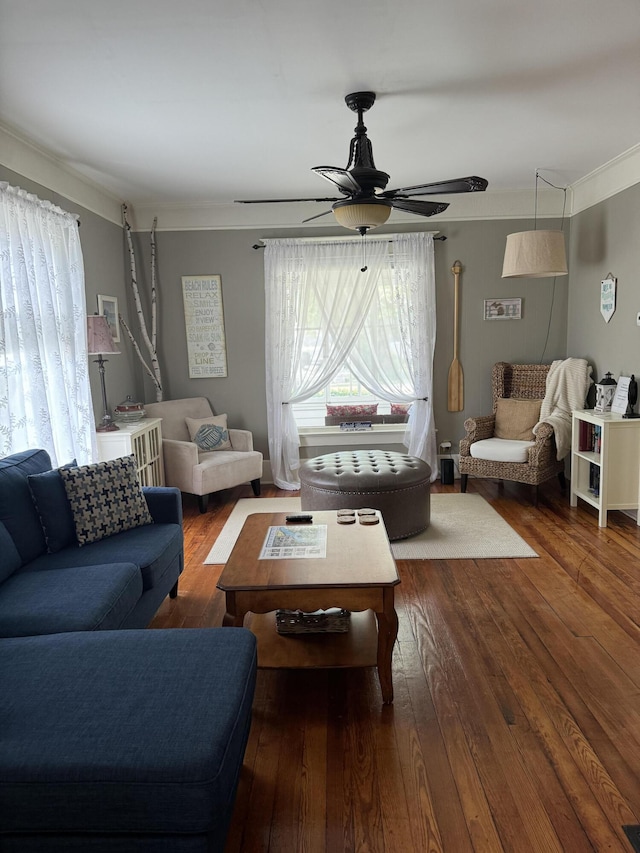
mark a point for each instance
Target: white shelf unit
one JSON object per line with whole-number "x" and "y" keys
{"x": 614, "y": 463}
{"x": 144, "y": 440}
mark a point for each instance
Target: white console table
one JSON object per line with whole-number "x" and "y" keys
{"x": 144, "y": 440}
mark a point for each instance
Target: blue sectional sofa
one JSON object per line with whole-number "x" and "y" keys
{"x": 48, "y": 584}
{"x": 112, "y": 740}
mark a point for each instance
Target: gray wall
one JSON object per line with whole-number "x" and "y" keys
{"x": 478, "y": 245}
{"x": 602, "y": 239}
{"x": 605, "y": 240}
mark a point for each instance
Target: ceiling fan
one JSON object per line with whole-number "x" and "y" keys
{"x": 365, "y": 202}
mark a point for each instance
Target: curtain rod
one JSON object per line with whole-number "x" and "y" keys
{"x": 441, "y": 238}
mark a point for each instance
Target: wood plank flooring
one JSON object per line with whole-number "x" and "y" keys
{"x": 516, "y": 720}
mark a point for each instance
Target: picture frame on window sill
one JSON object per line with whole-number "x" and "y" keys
{"x": 503, "y": 309}
{"x": 108, "y": 307}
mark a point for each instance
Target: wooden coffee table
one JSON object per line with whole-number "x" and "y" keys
{"x": 358, "y": 574}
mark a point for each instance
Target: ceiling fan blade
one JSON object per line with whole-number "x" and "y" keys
{"x": 421, "y": 208}
{"x": 472, "y": 184}
{"x": 342, "y": 179}
{"x": 280, "y": 200}
{"x": 318, "y": 215}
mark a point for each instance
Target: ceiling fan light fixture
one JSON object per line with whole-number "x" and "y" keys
{"x": 535, "y": 254}
{"x": 362, "y": 214}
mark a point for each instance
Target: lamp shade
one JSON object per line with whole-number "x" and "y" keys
{"x": 535, "y": 254}
{"x": 99, "y": 337}
{"x": 369, "y": 214}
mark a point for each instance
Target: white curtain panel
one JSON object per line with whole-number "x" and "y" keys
{"x": 45, "y": 397}
{"x": 322, "y": 311}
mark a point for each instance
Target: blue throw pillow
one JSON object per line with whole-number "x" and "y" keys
{"x": 54, "y": 509}
{"x": 10, "y": 559}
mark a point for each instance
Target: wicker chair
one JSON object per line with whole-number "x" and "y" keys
{"x": 525, "y": 382}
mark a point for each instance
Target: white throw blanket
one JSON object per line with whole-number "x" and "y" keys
{"x": 568, "y": 383}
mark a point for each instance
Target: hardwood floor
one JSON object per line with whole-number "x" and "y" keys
{"x": 516, "y": 720}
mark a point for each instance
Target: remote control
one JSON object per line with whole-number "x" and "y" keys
{"x": 299, "y": 518}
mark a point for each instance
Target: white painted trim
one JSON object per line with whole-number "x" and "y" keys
{"x": 608, "y": 180}
{"x": 36, "y": 163}
{"x": 28, "y": 159}
{"x": 330, "y": 436}
{"x": 497, "y": 204}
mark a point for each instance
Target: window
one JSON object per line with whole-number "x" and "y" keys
{"x": 45, "y": 399}
{"x": 330, "y": 327}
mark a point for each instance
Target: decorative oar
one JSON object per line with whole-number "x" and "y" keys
{"x": 455, "y": 397}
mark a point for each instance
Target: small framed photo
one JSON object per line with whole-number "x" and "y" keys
{"x": 503, "y": 309}
{"x": 108, "y": 307}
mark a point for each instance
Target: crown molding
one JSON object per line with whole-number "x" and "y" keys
{"x": 30, "y": 160}
{"x": 498, "y": 204}
{"x": 607, "y": 180}
{"x": 36, "y": 163}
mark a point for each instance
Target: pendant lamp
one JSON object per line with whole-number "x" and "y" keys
{"x": 535, "y": 254}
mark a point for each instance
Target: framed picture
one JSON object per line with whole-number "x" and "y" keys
{"x": 204, "y": 324}
{"x": 503, "y": 309}
{"x": 108, "y": 307}
{"x": 608, "y": 297}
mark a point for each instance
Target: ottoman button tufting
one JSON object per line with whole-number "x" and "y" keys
{"x": 395, "y": 483}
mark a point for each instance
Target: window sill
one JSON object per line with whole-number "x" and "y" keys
{"x": 329, "y": 435}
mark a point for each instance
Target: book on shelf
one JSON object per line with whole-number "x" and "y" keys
{"x": 590, "y": 437}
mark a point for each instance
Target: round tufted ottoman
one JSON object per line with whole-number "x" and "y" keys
{"x": 396, "y": 484}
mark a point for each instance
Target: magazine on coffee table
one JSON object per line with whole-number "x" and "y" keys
{"x": 289, "y": 542}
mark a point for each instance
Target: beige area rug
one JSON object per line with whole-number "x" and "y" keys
{"x": 463, "y": 527}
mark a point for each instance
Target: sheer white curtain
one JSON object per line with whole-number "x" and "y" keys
{"x": 318, "y": 306}
{"x": 45, "y": 398}
{"x": 393, "y": 355}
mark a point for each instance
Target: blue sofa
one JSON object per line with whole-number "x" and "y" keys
{"x": 49, "y": 584}
{"x": 111, "y": 741}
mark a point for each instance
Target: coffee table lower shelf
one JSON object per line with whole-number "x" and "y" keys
{"x": 358, "y": 647}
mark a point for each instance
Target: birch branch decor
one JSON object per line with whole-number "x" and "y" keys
{"x": 150, "y": 342}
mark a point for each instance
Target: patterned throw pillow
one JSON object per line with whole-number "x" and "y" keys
{"x": 105, "y": 498}
{"x": 209, "y": 433}
{"x": 400, "y": 408}
{"x": 363, "y": 411}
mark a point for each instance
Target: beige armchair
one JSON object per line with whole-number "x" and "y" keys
{"x": 530, "y": 461}
{"x": 198, "y": 472}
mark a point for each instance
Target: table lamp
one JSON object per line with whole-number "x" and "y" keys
{"x": 100, "y": 343}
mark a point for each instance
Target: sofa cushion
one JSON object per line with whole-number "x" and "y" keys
{"x": 515, "y": 419}
{"x": 10, "y": 560}
{"x": 209, "y": 433}
{"x": 106, "y": 498}
{"x": 17, "y": 509}
{"x": 141, "y": 731}
{"x": 152, "y": 548}
{"x": 501, "y": 450}
{"x": 54, "y": 509}
{"x": 88, "y": 598}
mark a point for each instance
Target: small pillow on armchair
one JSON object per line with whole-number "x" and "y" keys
{"x": 106, "y": 498}
{"x": 515, "y": 419}
{"x": 209, "y": 433}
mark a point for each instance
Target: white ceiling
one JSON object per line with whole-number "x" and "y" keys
{"x": 204, "y": 101}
